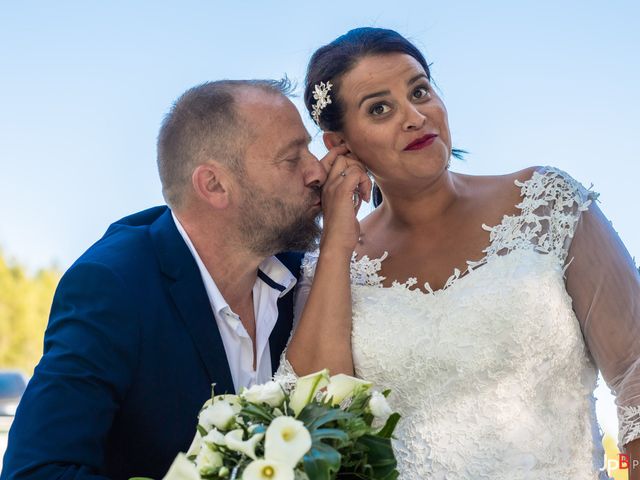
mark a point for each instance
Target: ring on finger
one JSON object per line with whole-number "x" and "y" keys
{"x": 356, "y": 198}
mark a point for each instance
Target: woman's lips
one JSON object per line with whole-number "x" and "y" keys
{"x": 422, "y": 142}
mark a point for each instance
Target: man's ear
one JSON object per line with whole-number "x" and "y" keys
{"x": 211, "y": 184}
{"x": 333, "y": 139}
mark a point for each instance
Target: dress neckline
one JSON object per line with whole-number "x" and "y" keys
{"x": 365, "y": 270}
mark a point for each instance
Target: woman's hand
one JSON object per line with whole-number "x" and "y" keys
{"x": 322, "y": 338}
{"x": 347, "y": 184}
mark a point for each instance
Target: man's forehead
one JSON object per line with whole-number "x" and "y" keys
{"x": 250, "y": 99}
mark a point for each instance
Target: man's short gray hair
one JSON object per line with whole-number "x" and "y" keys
{"x": 204, "y": 124}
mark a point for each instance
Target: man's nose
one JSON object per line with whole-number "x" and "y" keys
{"x": 314, "y": 173}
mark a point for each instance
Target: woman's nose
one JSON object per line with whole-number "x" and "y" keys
{"x": 413, "y": 118}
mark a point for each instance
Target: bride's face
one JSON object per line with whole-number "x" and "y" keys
{"x": 394, "y": 121}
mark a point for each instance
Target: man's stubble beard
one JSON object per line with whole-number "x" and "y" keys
{"x": 269, "y": 225}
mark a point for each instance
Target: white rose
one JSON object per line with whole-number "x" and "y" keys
{"x": 233, "y": 400}
{"x": 233, "y": 441}
{"x": 267, "y": 470}
{"x": 379, "y": 406}
{"x": 182, "y": 469}
{"x": 208, "y": 460}
{"x": 342, "y": 386}
{"x": 270, "y": 393}
{"x": 287, "y": 441}
{"x": 306, "y": 389}
{"x": 220, "y": 414}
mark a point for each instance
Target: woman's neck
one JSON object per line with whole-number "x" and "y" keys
{"x": 407, "y": 208}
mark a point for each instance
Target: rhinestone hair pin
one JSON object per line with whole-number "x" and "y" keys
{"x": 321, "y": 95}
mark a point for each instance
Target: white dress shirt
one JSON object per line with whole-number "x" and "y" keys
{"x": 277, "y": 282}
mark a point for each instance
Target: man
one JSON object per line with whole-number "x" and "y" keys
{"x": 174, "y": 299}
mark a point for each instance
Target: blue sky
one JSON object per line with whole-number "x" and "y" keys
{"x": 85, "y": 86}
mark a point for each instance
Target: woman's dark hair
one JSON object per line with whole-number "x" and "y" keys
{"x": 331, "y": 62}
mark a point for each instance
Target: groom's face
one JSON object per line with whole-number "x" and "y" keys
{"x": 281, "y": 179}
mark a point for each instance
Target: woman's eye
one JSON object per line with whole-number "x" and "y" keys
{"x": 379, "y": 109}
{"x": 420, "y": 93}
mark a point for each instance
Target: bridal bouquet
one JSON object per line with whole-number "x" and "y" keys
{"x": 327, "y": 428}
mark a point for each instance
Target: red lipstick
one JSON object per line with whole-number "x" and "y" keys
{"x": 422, "y": 142}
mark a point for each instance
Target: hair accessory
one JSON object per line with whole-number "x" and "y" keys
{"x": 321, "y": 95}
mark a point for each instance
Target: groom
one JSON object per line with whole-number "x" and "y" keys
{"x": 174, "y": 299}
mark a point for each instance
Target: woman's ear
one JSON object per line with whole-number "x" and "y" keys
{"x": 211, "y": 184}
{"x": 333, "y": 139}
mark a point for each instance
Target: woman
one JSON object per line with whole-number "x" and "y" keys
{"x": 486, "y": 304}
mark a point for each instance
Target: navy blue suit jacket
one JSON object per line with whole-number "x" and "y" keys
{"x": 130, "y": 353}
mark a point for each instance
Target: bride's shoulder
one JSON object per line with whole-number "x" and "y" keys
{"x": 500, "y": 192}
{"x": 528, "y": 181}
{"x": 545, "y": 185}
{"x": 552, "y": 182}
{"x": 500, "y": 181}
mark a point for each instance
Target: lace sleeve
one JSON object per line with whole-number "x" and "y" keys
{"x": 285, "y": 374}
{"x": 604, "y": 285}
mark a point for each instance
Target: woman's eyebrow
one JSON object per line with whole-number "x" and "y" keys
{"x": 382, "y": 93}
{"x": 417, "y": 77}
{"x": 372, "y": 95}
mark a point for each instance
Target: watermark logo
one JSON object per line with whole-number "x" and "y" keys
{"x": 623, "y": 462}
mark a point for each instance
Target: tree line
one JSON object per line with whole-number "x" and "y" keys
{"x": 25, "y": 301}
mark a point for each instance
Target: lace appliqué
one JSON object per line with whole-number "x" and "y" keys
{"x": 550, "y": 211}
{"x": 285, "y": 375}
{"x": 629, "y": 419}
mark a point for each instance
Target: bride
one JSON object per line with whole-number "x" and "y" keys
{"x": 486, "y": 303}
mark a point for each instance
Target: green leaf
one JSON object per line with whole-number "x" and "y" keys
{"x": 329, "y": 433}
{"x": 314, "y": 415}
{"x": 202, "y": 431}
{"x": 321, "y": 462}
{"x": 389, "y": 426}
{"x": 380, "y": 456}
{"x": 256, "y": 411}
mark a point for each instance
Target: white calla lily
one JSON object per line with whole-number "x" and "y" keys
{"x": 182, "y": 469}
{"x": 219, "y": 414}
{"x": 306, "y": 389}
{"x": 270, "y": 393}
{"x": 342, "y": 386}
{"x": 233, "y": 441}
{"x": 267, "y": 470}
{"x": 196, "y": 443}
{"x": 287, "y": 440}
{"x": 214, "y": 437}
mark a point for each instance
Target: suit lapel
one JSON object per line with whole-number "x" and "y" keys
{"x": 190, "y": 298}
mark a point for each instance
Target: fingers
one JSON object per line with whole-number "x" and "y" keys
{"x": 356, "y": 178}
{"x": 340, "y": 163}
{"x": 348, "y": 182}
{"x": 330, "y": 158}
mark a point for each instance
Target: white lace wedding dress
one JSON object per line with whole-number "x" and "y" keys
{"x": 491, "y": 374}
